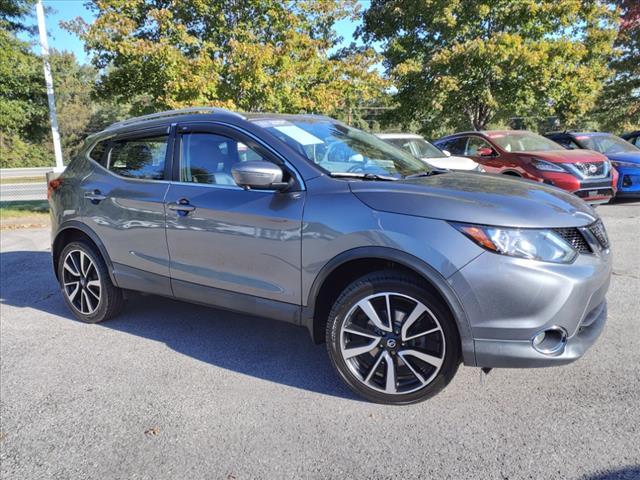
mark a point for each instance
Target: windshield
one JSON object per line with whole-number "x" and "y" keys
{"x": 606, "y": 144}
{"x": 340, "y": 149}
{"x": 417, "y": 146}
{"x": 523, "y": 142}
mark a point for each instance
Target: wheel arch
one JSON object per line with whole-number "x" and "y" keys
{"x": 349, "y": 265}
{"x": 73, "y": 231}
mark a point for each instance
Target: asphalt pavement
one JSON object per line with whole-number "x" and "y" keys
{"x": 176, "y": 391}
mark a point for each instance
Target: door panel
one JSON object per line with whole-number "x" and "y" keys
{"x": 128, "y": 214}
{"x": 244, "y": 241}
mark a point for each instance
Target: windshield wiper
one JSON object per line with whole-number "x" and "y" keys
{"x": 362, "y": 176}
{"x": 427, "y": 173}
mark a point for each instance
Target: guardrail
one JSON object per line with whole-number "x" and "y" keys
{"x": 33, "y": 188}
{"x": 24, "y": 172}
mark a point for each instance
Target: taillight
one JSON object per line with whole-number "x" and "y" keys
{"x": 53, "y": 185}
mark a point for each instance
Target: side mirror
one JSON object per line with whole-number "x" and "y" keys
{"x": 259, "y": 174}
{"x": 446, "y": 152}
{"x": 485, "y": 152}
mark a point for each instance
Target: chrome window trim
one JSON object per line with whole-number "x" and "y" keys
{"x": 256, "y": 139}
{"x": 102, "y": 167}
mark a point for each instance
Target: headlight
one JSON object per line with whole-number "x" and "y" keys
{"x": 534, "y": 244}
{"x": 615, "y": 163}
{"x": 545, "y": 166}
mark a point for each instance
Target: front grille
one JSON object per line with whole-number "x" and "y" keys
{"x": 589, "y": 170}
{"x": 598, "y": 231}
{"x": 574, "y": 238}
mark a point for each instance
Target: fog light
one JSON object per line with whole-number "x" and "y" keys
{"x": 626, "y": 181}
{"x": 550, "y": 341}
{"x": 539, "y": 338}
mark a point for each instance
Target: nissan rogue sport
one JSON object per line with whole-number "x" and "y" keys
{"x": 403, "y": 271}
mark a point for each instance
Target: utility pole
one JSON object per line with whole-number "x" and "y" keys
{"x": 44, "y": 46}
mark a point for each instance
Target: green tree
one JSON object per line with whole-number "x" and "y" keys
{"x": 259, "y": 55}
{"x": 461, "y": 64}
{"x": 618, "y": 108}
{"x": 23, "y": 104}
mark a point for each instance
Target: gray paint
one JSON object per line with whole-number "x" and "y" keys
{"x": 267, "y": 253}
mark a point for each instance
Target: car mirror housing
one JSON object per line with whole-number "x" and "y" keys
{"x": 259, "y": 175}
{"x": 486, "y": 152}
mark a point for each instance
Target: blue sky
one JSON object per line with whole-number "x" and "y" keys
{"x": 68, "y": 9}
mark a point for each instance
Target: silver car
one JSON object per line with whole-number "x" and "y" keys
{"x": 404, "y": 272}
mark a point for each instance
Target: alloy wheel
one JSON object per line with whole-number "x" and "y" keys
{"x": 81, "y": 282}
{"x": 392, "y": 343}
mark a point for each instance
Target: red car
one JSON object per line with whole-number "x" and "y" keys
{"x": 525, "y": 154}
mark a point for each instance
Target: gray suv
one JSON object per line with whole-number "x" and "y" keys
{"x": 403, "y": 271}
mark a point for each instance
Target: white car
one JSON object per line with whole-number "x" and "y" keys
{"x": 419, "y": 147}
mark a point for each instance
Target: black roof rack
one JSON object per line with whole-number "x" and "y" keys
{"x": 171, "y": 113}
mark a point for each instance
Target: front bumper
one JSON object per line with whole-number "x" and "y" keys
{"x": 509, "y": 300}
{"x": 628, "y": 182}
{"x": 590, "y": 190}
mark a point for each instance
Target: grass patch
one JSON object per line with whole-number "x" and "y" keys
{"x": 10, "y": 181}
{"x": 31, "y": 208}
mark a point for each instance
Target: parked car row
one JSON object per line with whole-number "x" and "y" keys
{"x": 594, "y": 166}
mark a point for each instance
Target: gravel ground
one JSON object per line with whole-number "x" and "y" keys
{"x": 171, "y": 390}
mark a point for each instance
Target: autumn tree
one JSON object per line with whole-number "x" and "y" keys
{"x": 618, "y": 108}
{"x": 258, "y": 55}
{"x": 460, "y": 64}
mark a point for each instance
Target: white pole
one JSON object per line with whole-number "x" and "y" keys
{"x": 44, "y": 46}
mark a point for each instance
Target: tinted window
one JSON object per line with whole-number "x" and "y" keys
{"x": 455, "y": 146}
{"x": 566, "y": 142}
{"x": 98, "y": 150}
{"x": 139, "y": 158}
{"x": 208, "y": 158}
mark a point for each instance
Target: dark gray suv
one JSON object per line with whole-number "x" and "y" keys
{"x": 403, "y": 271}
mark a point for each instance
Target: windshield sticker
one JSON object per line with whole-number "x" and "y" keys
{"x": 299, "y": 135}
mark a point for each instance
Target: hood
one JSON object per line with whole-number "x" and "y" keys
{"x": 477, "y": 198}
{"x": 631, "y": 157}
{"x": 565, "y": 156}
{"x": 452, "y": 163}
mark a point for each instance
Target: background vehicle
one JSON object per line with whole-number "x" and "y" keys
{"x": 525, "y": 154}
{"x": 306, "y": 220}
{"x": 623, "y": 156}
{"x": 632, "y": 137}
{"x": 419, "y": 147}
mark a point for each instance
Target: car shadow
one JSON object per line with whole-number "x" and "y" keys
{"x": 262, "y": 348}
{"x": 626, "y": 473}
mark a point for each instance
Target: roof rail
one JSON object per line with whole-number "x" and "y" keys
{"x": 171, "y": 113}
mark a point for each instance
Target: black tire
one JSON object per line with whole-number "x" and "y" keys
{"x": 448, "y": 340}
{"x": 110, "y": 299}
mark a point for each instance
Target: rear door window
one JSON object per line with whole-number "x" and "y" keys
{"x": 142, "y": 158}
{"x": 456, "y": 146}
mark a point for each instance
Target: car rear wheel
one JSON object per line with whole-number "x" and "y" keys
{"x": 86, "y": 286}
{"x": 392, "y": 340}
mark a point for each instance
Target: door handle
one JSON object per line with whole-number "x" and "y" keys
{"x": 95, "y": 196}
{"x": 182, "y": 206}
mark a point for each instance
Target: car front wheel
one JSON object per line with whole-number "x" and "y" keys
{"x": 392, "y": 340}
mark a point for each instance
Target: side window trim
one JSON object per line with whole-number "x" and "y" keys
{"x": 237, "y": 134}
{"x": 165, "y": 130}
